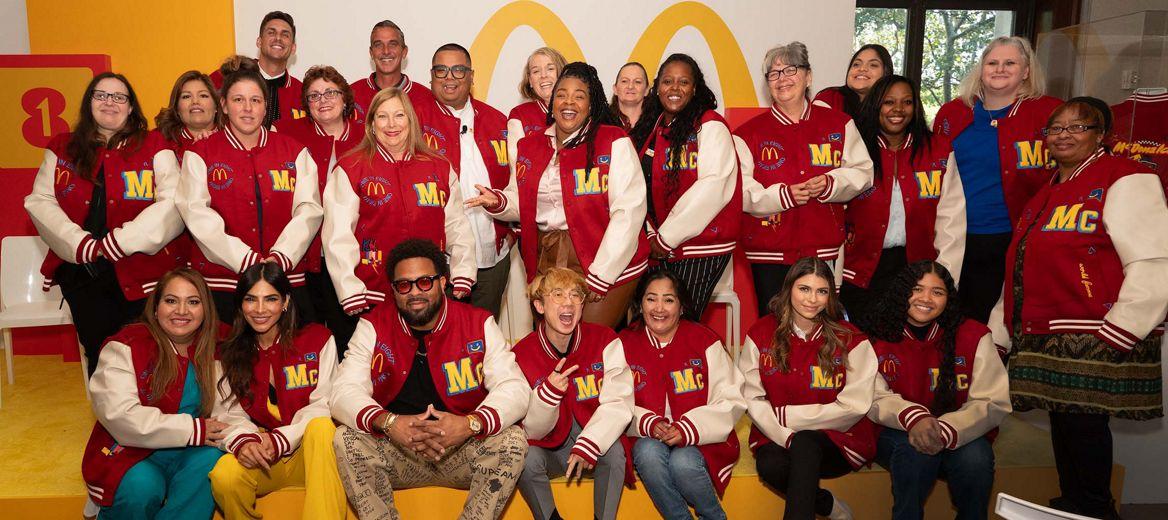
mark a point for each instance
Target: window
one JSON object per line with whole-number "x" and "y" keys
{"x": 936, "y": 42}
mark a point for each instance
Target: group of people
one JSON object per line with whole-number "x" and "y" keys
{"x": 279, "y": 257}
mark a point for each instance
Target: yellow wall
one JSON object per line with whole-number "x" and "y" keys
{"x": 151, "y": 42}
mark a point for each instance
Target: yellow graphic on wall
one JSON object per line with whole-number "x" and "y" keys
{"x": 41, "y": 96}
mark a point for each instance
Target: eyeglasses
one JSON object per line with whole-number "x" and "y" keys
{"x": 789, "y": 70}
{"x": 457, "y": 71}
{"x": 560, "y": 295}
{"x": 424, "y": 283}
{"x": 116, "y": 97}
{"x": 1073, "y": 129}
{"x": 329, "y": 94}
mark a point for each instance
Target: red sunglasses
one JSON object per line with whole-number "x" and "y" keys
{"x": 424, "y": 283}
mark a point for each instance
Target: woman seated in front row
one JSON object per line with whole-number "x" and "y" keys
{"x": 280, "y": 373}
{"x": 582, "y": 398}
{"x": 945, "y": 396}
{"x": 159, "y": 411}
{"x": 809, "y": 381}
{"x": 688, "y": 397}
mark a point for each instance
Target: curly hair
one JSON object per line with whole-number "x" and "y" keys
{"x": 835, "y": 335}
{"x": 239, "y": 354}
{"x": 684, "y": 124}
{"x": 890, "y": 313}
{"x": 417, "y": 248}
{"x": 331, "y": 75}
{"x": 598, "y": 113}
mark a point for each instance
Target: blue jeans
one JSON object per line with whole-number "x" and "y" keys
{"x": 969, "y": 471}
{"x": 676, "y": 478}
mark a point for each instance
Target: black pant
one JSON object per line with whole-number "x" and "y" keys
{"x": 795, "y": 472}
{"x": 324, "y": 301}
{"x": 859, "y": 301}
{"x": 982, "y": 274}
{"x": 97, "y": 303}
{"x": 1083, "y": 456}
{"x": 700, "y": 276}
{"x": 768, "y": 281}
{"x": 488, "y": 290}
{"x": 227, "y": 308}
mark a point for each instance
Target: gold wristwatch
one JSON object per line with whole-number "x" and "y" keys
{"x": 476, "y": 426}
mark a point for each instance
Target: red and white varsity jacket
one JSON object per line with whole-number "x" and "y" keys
{"x": 783, "y": 152}
{"x": 830, "y": 97}
{"x": 604, "y": 207}
{"x": 525, "y": 118}
{"x": 243, "y": 205}
{"x": 910, "y": 368}
{"x": 375, "y": 204}
{"x": 472, "y": 366}
{"x": 325, "y": 150}
{"x": 1026, "y": 163}
{"x": 807, "y": 397}
{"x": 185, "y": 142}
{"x": 302, "y": 372}
{"x": 129, "y": 425}
{"x": 696, "y": 202}
{"x": 365, "y": 88}
{"x": 140, "y": 210}
{"x": 442, "y": 130}
{"x": 1096, "y": 256}
{"x": 934, "y": 219}
{"x": 289, "y": 94}
{"x": 690, "y": 383}
{"x": 599, "y": 396}
{"x": 1140, "y": 131}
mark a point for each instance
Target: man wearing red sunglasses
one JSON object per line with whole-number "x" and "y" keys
{"x": 428, "y": 394}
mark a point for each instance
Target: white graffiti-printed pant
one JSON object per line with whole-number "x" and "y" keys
{"x": 371, "y": 467}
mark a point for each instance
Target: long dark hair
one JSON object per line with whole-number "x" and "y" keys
{"x": 685, "y": 123}
{"x": 165, "y": 368}
{"x": 852, "y": 99}
{"x": 835, "y": 335}
{"x": 868, "y": 120}
{"x": 598, "y": 113}
{"x": 614, "y": 103}
{"x": 679, "y": 287}
{"x": 239, "y": 353}
{"x": 83, "y": 144}
{"x": 168, "y": 120}
{"x": 890, "y": 314}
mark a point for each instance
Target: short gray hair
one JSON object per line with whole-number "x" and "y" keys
{"x": 388, "y": 24}
{"x": 794, "y": 53}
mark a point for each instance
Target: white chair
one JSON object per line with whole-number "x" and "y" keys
{"x": 1014, "y": 508}
{"x": 22, "y": 302}
{"x": 724, "y": 293}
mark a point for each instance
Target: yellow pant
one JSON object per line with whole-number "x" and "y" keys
{"x": 313, "y": 465}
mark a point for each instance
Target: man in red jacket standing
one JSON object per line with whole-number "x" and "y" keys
{"x": 428, "y": 394}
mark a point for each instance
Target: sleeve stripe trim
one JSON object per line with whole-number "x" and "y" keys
{"x": 366, "y": 415}
{"x": 687, "y": 430}
{"x": 949, "y": 433}
{"x": 283, "y": 447}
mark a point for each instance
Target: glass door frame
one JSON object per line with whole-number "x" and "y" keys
{"x": 914, "y": 39}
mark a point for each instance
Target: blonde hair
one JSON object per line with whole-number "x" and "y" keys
{"x": 556, "y": 278}
{"x": 1032, "y": 87}
{"x": 415, "y": 143}
{"x": 525, "y": 89}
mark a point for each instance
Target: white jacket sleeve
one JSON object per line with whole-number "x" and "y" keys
{"x": 307, "y": 213}
{"x": 342, "y": 253}
{"x": 351, "y": 400}
{"x": 460, "y": 242}
{"x": 949, "y": 240}
{"x": 988, "y": 403}
{"x": 514, "y": 134}
{"x": 543, "y": 410}
{"x": 155, "y": 226}
{"x": 854, "y": 175}
{"x": 891, "y": 410}
{"x": 713, "y": 189}
{"x": 850, "y": 405}
{"x": 507, "y": 392}
{"x": 508, "y": 208}
{"x": 63, "y": 236}
{"x": 207, "y": 225}
{"x": 615, "y": 410}
{"x": 287, "y": 438}
{"x": 1136, "y": 217}
{"x": 626, "y": 217}
{"x": 114, "y": 392}
{"x": 713, "y": 422}
{"x": 764, "y": 416}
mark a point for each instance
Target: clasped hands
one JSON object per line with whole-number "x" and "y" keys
{"x": 809, "y": 189}
{"x": 926, "y": 437}
{"x": 431, "y": 434}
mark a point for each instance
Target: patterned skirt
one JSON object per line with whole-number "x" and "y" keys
{"x": 1079, "y": 373}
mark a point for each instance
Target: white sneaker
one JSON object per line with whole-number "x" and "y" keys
{"x": 840, "y": 510}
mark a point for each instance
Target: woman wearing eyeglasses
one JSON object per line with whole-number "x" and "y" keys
{"x": 802, "y": 164}
{"x": 543, "y": 68}
{"x": 1086, "y": 292}
{"x": 103, "y": 201}
{"x": 391, "y": 187}
{"x": 329, "y": 132}
{"x": 248, "y": 196}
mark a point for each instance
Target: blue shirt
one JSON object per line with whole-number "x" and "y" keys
{"x": 976, "y": 151}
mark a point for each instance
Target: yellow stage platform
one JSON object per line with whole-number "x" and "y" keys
{"x": 45, "y": 421}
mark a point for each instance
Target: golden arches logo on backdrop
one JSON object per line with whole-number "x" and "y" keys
{"x": 735, "y": 80}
